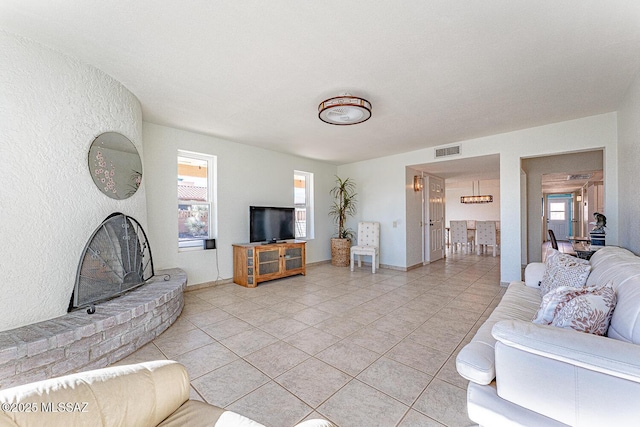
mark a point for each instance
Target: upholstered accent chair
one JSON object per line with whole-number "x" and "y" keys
{"x": 368, "y": 244}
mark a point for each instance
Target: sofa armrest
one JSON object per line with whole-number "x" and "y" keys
{"x": 600, "y": 354}
{"x": 533, "y": 274}
{"x": 569, "y": 376}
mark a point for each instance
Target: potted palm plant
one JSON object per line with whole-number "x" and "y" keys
{"x": 344, "y": 206}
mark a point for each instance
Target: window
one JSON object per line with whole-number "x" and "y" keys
{"x": 557, "y": 211}
{"x": 196, "y": 210}
{"x": 303, "y": 202}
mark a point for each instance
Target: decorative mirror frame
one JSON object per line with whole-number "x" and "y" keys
{"x": 115, "y": 165}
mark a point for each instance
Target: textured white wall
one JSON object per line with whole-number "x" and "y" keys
{"x": 384, "y": 182}
{"x": 383, "y": 185}
{"x": 629, "y": 152}
{"x": 52, "y": 107}
{"x": 246, "y": 176}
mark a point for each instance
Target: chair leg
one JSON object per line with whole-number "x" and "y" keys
{"x": 373, "y": 263}
{"x": 359, "y": 261}
{"x": 494, "y": 250}
{"x": 351, "y": 264}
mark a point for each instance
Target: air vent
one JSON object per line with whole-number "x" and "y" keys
{"x": 581, "y": 176}
{"x": 447, "y": 151}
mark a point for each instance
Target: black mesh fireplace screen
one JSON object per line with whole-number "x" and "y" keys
{"x": 117, "y": 258}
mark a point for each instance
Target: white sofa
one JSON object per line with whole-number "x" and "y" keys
{"x": 146, "y": 394}
{"x": 525, "y": 374}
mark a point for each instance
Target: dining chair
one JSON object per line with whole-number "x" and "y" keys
{"x": 461, "y": 236}
{"x": 486, "y": 235}
{"x": 368, "y": 244}
{"x": 554, "y": 242}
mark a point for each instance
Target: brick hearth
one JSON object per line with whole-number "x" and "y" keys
{"x": 79, "y": 341}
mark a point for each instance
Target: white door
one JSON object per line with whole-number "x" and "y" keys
{"x": 559, "y": 217}
{"x": 434, "y": 219}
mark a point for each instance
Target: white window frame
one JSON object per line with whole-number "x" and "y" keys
{"x": 308, "y": 205}
{"x": 212, "y": 163}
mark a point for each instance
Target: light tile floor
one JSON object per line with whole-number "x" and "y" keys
{"x": 356, "y": 348}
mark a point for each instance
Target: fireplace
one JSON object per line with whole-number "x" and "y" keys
{"x": 115, "y": 262}
{"x": 116, "y": 259}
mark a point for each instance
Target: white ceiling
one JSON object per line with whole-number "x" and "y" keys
{"x": 568, "y": 183}
{"x": 435, "y": 71}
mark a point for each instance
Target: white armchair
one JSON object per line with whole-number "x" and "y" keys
{"x": 368, "y": 244}
{"x": 460, "y": 235}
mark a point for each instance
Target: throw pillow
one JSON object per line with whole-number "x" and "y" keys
{"x": 586, "y": 309}
{"x": 563, "y": 270}
{"x": 550, "y": 301}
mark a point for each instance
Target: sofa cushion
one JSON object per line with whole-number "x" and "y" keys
{"x": 194, "y": 413}
{"x": 476, "y": 360}
{"x": 563, "y": 270}
{"x": 622, "y": 267}
{"x": 586, "y": 309}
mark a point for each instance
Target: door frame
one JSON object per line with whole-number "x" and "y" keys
{"x": 566, "y": 198}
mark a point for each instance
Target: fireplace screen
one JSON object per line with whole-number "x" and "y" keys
{"x": 116, "y": 259}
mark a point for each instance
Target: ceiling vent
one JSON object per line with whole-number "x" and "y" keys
{"x": 447, "y": 151}
{"x": 580, "y": 176}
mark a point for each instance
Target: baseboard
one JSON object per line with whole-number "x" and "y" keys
{"x": 393, "y": 267}
{"x": 311, "y": 264}
{"x": 205, "y": 285}
{"x": 413, "y": 267}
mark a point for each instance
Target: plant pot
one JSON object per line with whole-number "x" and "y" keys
{"x": 340, "y": 252}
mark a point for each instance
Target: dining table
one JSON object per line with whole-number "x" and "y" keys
{"x": 582, "y": 246}
{"x": 471, "y": 232}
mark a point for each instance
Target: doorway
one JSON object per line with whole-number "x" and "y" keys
{"x": 566, "y": 173}
{"x": 455, "y": 177}
{"x": 560, "y": 215}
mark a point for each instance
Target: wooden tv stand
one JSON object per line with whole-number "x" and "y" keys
{"x": 256, "y": 262}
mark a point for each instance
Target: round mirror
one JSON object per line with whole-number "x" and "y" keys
{"x": 115, "y": 165}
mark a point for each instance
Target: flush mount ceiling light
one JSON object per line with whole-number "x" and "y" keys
{"x": 344, "y": 110}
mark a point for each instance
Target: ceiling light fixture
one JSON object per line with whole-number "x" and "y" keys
{"x": 344, "y": 110}
{"x": 476, "y": 199}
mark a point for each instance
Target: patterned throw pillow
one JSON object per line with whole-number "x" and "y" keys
{"x": 563, "y": 270}
{"x": 586, "y": 309}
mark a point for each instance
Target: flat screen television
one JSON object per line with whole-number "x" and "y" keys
{"x": 271, "y": 224}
